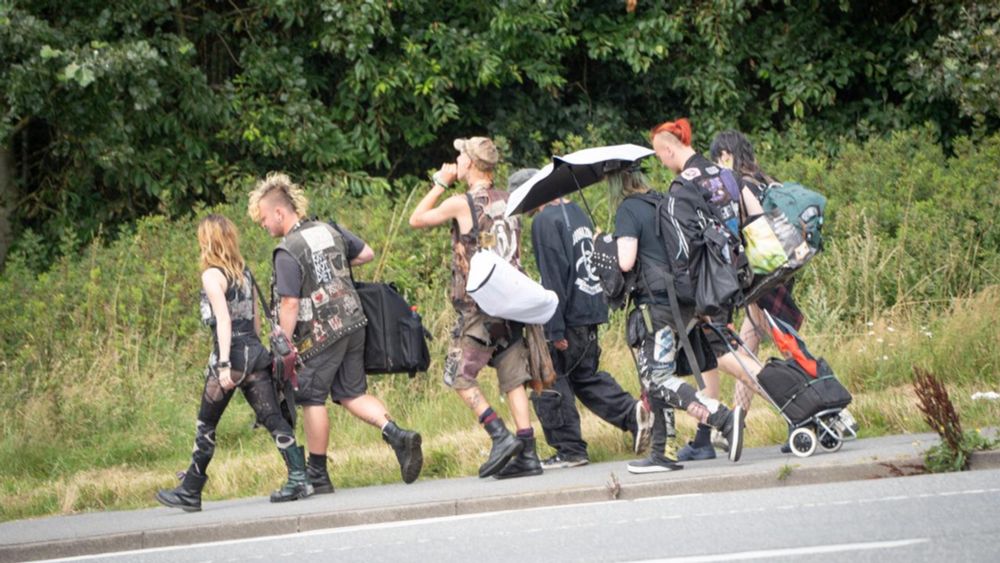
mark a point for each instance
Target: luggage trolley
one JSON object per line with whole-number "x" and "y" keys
{"x": 812, "y": 406}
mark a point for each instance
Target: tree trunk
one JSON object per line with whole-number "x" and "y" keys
{"x": 8, "y": 197}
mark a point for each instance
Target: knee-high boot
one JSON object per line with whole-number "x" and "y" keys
{"x": 298, "y": 483}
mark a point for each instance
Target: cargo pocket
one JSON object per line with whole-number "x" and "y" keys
{"x": 548, "y": 408}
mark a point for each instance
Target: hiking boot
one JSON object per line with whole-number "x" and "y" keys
{"x": 319, "y": 479}
{"x": 730, "y": 423}
{"x": 187, "y": 495}
{"x": 523, "y": 464}
{"x": 643, "y": 428}
{"x": 691, "y": 452}
{"x": 505, "y": 446}
{"x": 406, "y": 444}
{"x": 653, "y": 463}
{"x": 559, "y": 462}
{"x": 298, "y": 483}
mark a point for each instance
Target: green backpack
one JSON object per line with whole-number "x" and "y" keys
{"x": 803, "y": 208}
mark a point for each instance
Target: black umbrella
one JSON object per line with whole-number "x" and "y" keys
{"x": 573, "y": 172}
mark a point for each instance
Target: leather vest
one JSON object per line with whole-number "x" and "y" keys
{"x": 329, "y": 307}
{"x": 490, "y": 229}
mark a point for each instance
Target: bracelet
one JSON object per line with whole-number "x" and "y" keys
{"x": 225, "y": 364}
{"x": 438, "y": 182}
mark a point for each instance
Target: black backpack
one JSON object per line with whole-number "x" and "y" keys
{"x": 395, "y": 337}
{"x": 702, "y": 268}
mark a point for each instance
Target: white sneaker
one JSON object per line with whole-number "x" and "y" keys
{"x": 719, "y": 441}
{"x": 644, "y": 428}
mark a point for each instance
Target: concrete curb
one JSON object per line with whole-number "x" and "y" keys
{"x": 790, "y": 474}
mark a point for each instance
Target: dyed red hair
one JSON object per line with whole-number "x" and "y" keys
{"x": 681, "y": 129}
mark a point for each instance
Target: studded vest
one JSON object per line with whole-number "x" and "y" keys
{"x": 329, "y": 307}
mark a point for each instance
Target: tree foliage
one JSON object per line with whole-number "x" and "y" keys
{"x": 110, "y": 113}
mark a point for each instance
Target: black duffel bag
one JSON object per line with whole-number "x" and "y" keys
{"x": 395, "y": 337}
{"x": 797, "y": 394}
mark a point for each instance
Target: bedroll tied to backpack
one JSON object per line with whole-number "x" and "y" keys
{"x": 802, "y": 207}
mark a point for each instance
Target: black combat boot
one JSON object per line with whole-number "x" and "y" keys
{"x": 187, "y": 495}
{"x": 730, "y": 424}
{"x": 319, "y": 478}
{"x": 524, "y": 464}
{"x": 298, "y": 485}
{"x": 406, "y": 444}
{"x": 505, "y": 446}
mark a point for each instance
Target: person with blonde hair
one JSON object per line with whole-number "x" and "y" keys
{"x": 477, "y": 221}
{"x": 316, "y": 304}
{"x": 238, "y": 359}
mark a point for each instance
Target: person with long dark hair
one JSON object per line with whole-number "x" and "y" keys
{"x": 238, "y": 359}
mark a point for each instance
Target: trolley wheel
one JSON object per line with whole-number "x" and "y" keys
{"x": 831, "y": 441}
{"x": 803, "y": 442}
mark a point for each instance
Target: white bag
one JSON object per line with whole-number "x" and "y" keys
{"x": 501, "y": 290}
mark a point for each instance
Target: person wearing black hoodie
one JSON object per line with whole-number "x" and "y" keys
{"x": 563, "y": 241}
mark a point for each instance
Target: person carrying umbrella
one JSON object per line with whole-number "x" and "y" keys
{"x": 653, "y": 324}
{"x": 563, "y": 241}
{"x": 477, "y": 221}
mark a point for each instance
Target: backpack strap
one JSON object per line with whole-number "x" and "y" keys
{"x": 472, "y": 211}
{"x": 260, "y": 295}
{"x": 682, "y": 329}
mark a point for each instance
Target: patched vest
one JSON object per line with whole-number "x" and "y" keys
{"x": 239, "y": 300}
{"x": 490, "y": 229}
{"x": 329, "y": 307}
{"x": 722, "y": 188}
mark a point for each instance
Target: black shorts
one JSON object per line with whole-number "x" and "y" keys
{"x": 337, "y": 372}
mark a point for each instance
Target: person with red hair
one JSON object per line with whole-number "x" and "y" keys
{"x": 654, "y": 325}
{"x": 671, "y": 142}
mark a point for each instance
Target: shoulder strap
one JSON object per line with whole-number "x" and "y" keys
{"x": 472, "y": 211}
{"x": 682, "y": 329}
{"x": 350, "y": 270}
{"x": 263, "y": 303}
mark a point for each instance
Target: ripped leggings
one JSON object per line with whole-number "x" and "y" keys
{"x": 259, "y": 392}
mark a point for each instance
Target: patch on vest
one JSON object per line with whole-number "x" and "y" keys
{"x": 320, "y": 297}
{"x": 713, "y": 170}
{"x": 690, "y": 173}
{"x": 318, "y": 238}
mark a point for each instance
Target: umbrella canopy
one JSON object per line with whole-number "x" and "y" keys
{"x": 567, "y": 174}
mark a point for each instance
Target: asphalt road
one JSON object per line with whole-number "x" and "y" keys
{"x": 953, "y": 517}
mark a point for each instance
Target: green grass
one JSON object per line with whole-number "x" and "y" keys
{"x": 120, "y": 466}
{"x": 103, "y": 355}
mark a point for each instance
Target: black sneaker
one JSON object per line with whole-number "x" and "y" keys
{"x": 732, "y": 430}
{"x": 653, "y": 464}
{"x": 559, "y": 462}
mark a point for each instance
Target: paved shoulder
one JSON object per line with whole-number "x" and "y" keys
{"x": 100, "y": 532}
